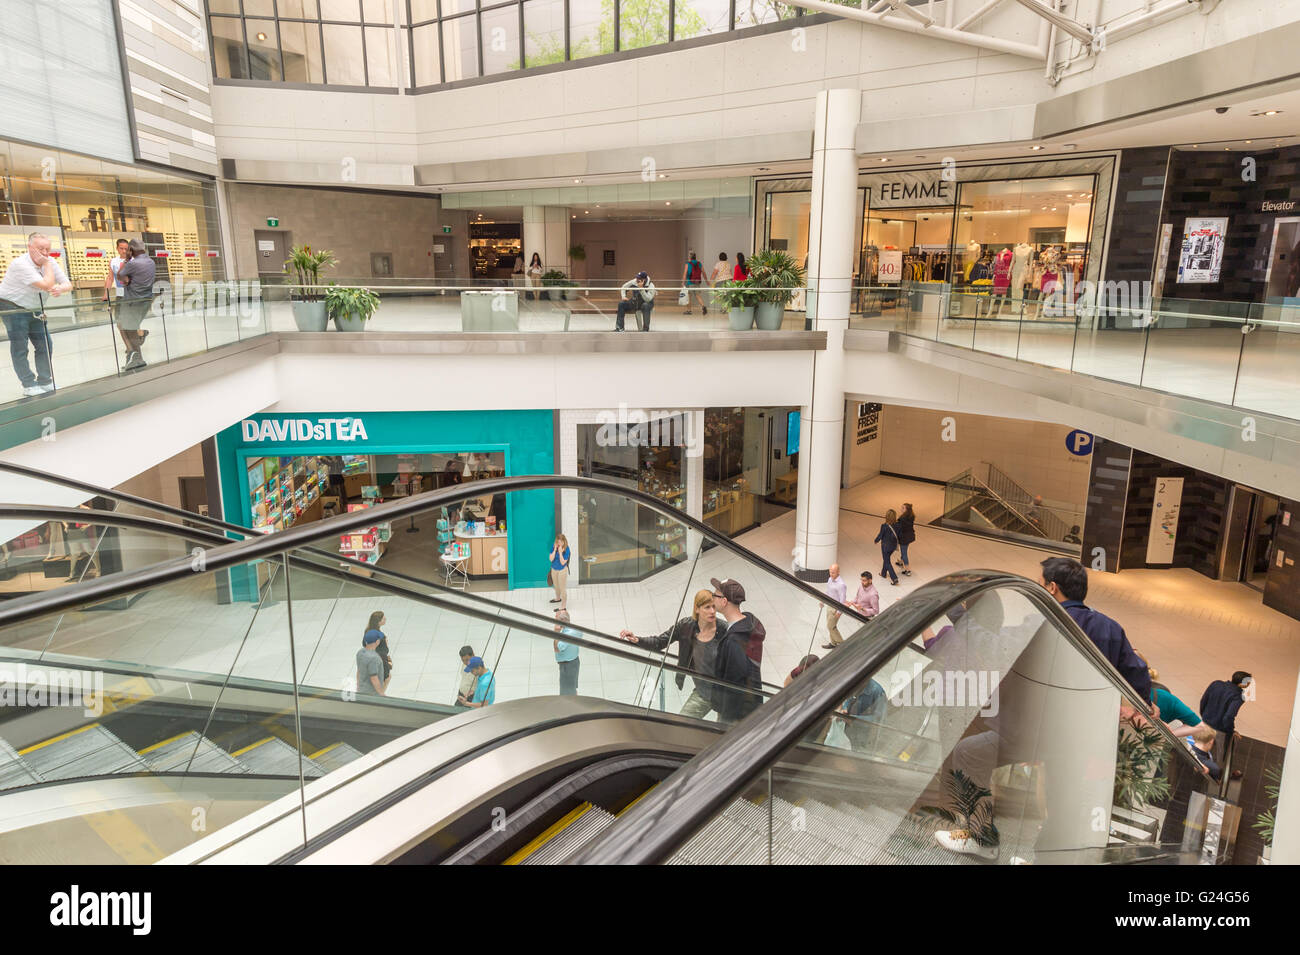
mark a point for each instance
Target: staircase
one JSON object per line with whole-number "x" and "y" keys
{"x": 984, "y": 499}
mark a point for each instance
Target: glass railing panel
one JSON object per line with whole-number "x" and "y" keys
{"x": 1193, "y": 354}
{"x": 74, "y": 343}
{"x": 989, "y": 739}
{"x": 1110, "y": 342}
{"x": 957, "y": 325}
{"x": 1270, "y": 353}
{"x": 1046, "y": 329}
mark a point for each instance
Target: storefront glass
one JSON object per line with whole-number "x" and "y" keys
{"x": 751, "y": 466}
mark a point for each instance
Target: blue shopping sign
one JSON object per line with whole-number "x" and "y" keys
{"x": 1078, "y": 442}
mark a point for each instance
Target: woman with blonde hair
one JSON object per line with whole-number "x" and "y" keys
{"x": 560, "y": 570}
{"x": 888, "y": 541}
{"x": 697, "y": 651}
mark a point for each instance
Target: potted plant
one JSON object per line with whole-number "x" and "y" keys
{"x": 305, "y": 299}
{"x": 777, "y": 276}
{"x": 554, "y": 281}
{"x": 739, "y": 298}
{"x": 350, "y": 307}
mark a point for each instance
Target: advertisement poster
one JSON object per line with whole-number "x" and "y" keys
{"x": 1164, "y": 520}
{"x": 1202, "y": 253}
{"x": 890, "y": 269}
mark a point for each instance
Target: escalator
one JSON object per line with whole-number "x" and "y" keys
{"x": 1023, "y": 753}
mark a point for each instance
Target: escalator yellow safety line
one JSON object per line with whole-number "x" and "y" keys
{"x": 54, "y": 739}
{"x": 649, "y": 789}
{"x": 127, "y": 693}
{"x": 322, "y": 752}
{"x": 240, "y": 752}
{"x": 150, "y": 749}
{"x": 568, "y": 819}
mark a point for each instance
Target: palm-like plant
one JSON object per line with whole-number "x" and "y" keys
{"x": 776, "y": 274}
{"x": 972, "y": 808}
{"x": 736, "y": 294}
{"x": 1265, "y": 821}
{"x": 1140, "y": 761}
{"x": 306, "y": 266}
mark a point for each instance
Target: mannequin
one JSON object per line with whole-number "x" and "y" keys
{"x": 1002, "y": 276}
{"x": 1021, "y": 256}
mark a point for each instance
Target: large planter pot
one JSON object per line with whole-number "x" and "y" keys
{"x": 769, "y": 315}
{"x": 351, "y": 322}
{"x": 741, "y": 319}
{"x": 310, "y": 316}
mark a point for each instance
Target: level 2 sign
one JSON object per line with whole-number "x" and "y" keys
{"x": 1079, "y": 443}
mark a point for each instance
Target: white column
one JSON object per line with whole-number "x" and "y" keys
{"x": 1286, "y": 834}
{"x": 546, "y": 232}
{"x": 694, "y": 470}
{"x": 534, "y": 234}
{"x": 830, "y": 279}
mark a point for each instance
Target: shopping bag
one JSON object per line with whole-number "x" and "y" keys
{"x": 683, "y": 297}
{"x": 837, "y": 737}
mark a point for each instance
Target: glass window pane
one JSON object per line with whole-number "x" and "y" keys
{"x": 591, "y": 28}
{"x": 228, "y": 48}
{"x": 451, "y": 7}
{"x": 422, "y": 10}
{"x": 379, "y": 56}
{"x": 344, "y": 64}
{"x": 223, "y": 6}
{"x": 259, "y": 8}
{"x": 301, "y": 43}
{"x": 753, "y": 12}
{"x": 543, "y": 32}
{"x": 263, "y": 51}
{"x": 428, "y": 70}
{"x": 346, "y": 11}
{"x": 460, "y": 48}
{"x": 298, "y": 10}
{"x": 701, "y": 17}
{"x": 642, "y": 23}
{"x": 377, "y": 11}
{"x": 500, "y": 40}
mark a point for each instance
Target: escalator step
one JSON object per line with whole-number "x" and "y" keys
{"x": 89, "y": 751}
{"x": 274, "y": 757}
{"x": 332, "y": 757}
{"x": 14, "y": 770}
{"x": 190, "y": 752}
{"x": 568, "y": 838}
{"x": 724, "y": 841}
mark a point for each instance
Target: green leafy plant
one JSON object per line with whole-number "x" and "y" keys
{"x": 578, "y": 253}
{"x": 1140, "y": 758}
{"x": 342, "y": 301}
{"x": 736, "y": 294}
{"x": 554, "y": 277}
{"x": 972, "y": 808}
{"x": 776, "y": 274}
{"x": 1265, "y": 821}
{"x": 306, "y": 265}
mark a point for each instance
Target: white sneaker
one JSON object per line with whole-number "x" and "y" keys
{"x": 46, "y": 389}
{"x": 31, "y": 391}
{"x": 959, "y": 840}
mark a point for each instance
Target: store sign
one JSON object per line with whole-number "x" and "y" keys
{"x": 1164, "y": 520}
{"x": 868, "y": 422}
{"x": 890, "y": 269}
{"x": 1079, "y": 443}
{"x": 304, "y": 429}
{"x": 1287, "y": 206}
{"x": 910, "y": 190}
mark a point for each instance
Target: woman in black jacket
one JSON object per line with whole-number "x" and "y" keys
{"x": 906, "y": 529}
{"x": 697, "y": 647}
{"x": 888, "y": 541}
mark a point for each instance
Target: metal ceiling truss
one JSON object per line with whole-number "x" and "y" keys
{"x": 918, "y": 16}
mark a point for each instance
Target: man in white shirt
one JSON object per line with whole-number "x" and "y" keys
{"x": 27, "y": 281}
{"x": 838, "y": 591}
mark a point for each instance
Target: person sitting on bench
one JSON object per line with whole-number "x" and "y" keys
{"x": 636, "y": 295}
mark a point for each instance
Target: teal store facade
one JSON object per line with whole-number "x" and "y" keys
{"x": 526, "y": 438}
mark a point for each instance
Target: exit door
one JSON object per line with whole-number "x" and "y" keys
{"x": 272, "y": 249}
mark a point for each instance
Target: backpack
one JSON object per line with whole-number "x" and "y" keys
{"x": 697, "y": 270}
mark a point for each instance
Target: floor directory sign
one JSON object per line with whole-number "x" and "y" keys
{"x": 1164, "y": 520}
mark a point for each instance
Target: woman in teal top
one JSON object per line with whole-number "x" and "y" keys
{"x": 1172, "y": 708}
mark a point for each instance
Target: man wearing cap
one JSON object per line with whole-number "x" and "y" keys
{"x": 370, "y": 668}
{"x": 566, "y": 655}
{"x": 636, "y": 295}
{"x": 740, "y": 655}
{"x": 466, "y": 688}
{"x": 485, "y": 691}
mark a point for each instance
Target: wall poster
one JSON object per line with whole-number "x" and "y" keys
{"x": 1202, "y": 253}
{"x": 1164, "y": 520}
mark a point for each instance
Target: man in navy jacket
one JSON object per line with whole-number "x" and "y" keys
{"x": 1066, "y": 580}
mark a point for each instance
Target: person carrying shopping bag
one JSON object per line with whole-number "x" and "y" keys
{"x": 560, "y": 570}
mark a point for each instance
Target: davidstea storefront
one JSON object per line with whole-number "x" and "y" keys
{"x": 281, "y": 471}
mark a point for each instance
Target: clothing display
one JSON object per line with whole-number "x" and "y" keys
{"x": 1020, "y": 259}
{"x": 1002, "y": 272}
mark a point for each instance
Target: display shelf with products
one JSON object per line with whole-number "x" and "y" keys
{"x": 284, "y": 491}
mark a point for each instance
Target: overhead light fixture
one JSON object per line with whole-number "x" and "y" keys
{"x": 883, "y": 159}
{"x": 1268, "y": 112}
{"x": 1248, "y": 142}
{"x": 577, "y": 180}
{"x": 1035, "y": 148}
{"x": 261, "y": 36}
{"x": 668, "y": 203}
{"x": 663, "y": 175}
{"x": 1195, "y": 146}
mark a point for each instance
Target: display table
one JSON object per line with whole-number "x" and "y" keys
{"x": 454, "y": 569}
{"x": 489, "y": 551}
{"x": 786, "y": 487}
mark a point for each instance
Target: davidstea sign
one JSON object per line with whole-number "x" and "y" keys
{"x": 303, "y": 429}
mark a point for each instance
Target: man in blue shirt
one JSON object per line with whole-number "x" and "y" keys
{"x": 566, "y": 655}
{"x": 485, "y": 691}
{"x": 1066, "y": 580}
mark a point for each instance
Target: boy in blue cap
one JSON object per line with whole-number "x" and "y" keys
{"x": 485, "y": 691}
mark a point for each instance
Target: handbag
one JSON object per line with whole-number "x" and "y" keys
{"x": 550, "y": 578}
{"x": 683, "y": 297}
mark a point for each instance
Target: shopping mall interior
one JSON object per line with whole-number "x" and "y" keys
{"x": 692, "y": 432}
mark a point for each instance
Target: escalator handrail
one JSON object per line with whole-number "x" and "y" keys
{"x": 671, "y": 813}
{"x": 493, "y": 485}
{"x": 544, "y": 629}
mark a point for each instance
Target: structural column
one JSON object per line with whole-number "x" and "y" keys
{"x": 1286, "y": 834}
{"x": 546, "y": 232}
{"x": 830, "y": 279}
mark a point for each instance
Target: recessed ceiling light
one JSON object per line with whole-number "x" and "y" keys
{"x": 663, "y": 175}
{"x": 1248, "y": 142}
{"x": 1195, "y": 146}
{"x": 1035, "y": 148}
{"x": 1053, "y": 208}
{"x": 883, "y": 159}
{"x": 577, "y": 180}
{"x": 668, "y": 203}
{"x": 261, "y": 36}
{"x": 1269, "y": 112}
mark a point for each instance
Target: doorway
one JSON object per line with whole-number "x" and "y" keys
{"x": 1250, "y": 533}
{"x": 272, "y": 250}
